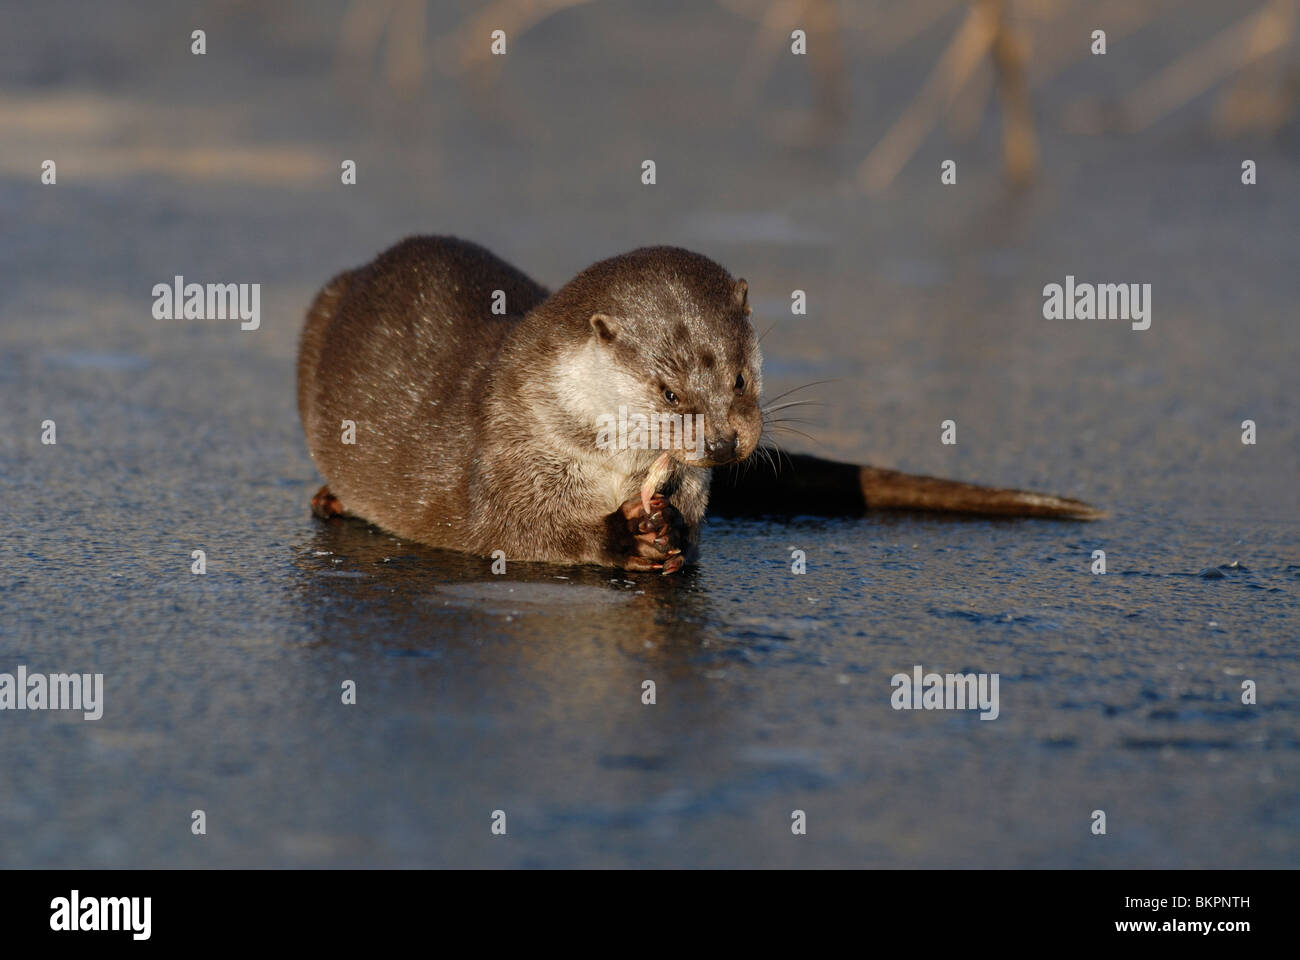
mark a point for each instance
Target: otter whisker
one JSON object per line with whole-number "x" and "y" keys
{"x": 768, "y": 411}
{"x": 815, "y": 383}
{"x": 759, "y": 454}
{"x": 774, "y": 461}
{"x": 774, "y": 447}
{"x": 792, "y": 403}
{"x": 799, "y": 432}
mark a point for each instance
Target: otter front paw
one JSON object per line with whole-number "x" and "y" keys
{"x": 648, "y": 541}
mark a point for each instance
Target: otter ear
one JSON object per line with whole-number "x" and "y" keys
{"x": 606, "y": 329}
{"x": 740, "y": 293}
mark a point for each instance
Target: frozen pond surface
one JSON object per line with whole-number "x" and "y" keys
{"x": 522, "y": 692}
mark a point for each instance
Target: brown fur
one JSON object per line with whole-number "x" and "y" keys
{"x": 476, "y": 432}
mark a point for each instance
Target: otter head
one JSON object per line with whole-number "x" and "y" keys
{"x": 672, "y": 331}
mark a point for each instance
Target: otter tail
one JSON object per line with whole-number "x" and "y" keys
{"x": 812, "y": 486}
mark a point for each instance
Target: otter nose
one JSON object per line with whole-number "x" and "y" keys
{"x": 721, "y": 448}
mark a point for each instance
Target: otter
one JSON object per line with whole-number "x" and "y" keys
{"x": 451, "y": 400}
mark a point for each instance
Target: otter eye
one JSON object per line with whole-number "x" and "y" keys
{"x": 740, "y": 381}
{"x": 670, "y": 396}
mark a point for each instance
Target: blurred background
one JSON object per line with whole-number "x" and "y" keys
{"x": 817, "y": 172}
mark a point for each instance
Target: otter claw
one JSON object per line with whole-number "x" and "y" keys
{"x": 656, "y": 537}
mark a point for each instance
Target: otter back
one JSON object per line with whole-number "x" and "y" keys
{"x": 401, "y": 348}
